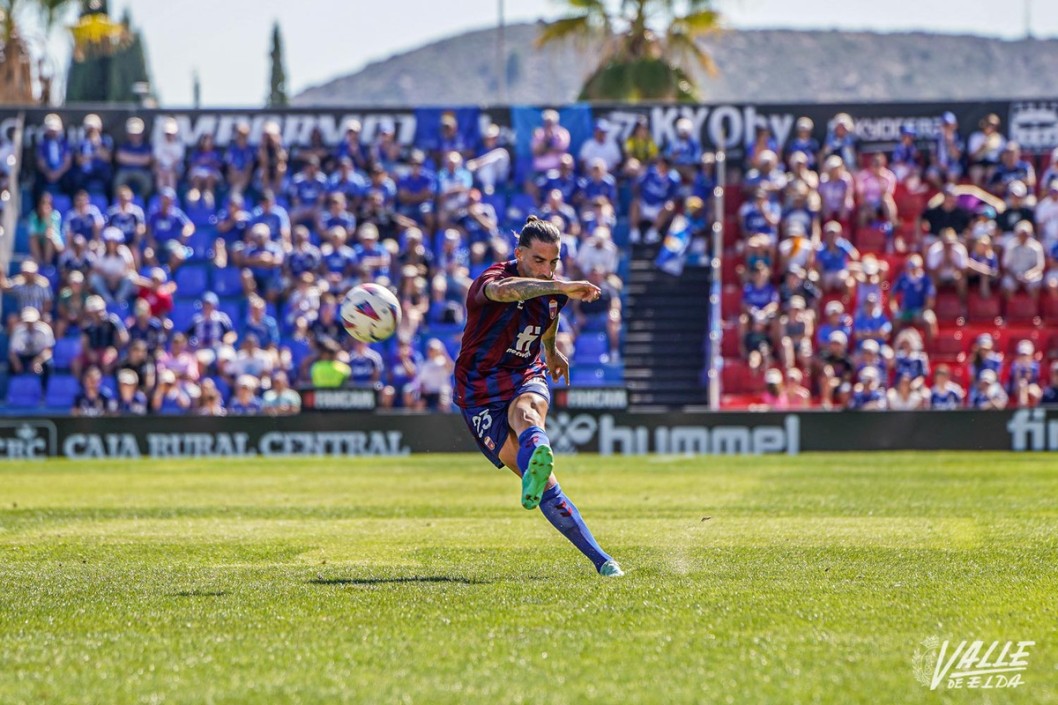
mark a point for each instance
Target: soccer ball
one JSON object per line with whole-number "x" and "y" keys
{"x": 370, "y": 313}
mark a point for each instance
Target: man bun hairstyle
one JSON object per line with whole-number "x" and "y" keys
{"x": 536, "y": 229}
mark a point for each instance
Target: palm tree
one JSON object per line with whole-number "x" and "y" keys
{"x": 16, "y": 52}
{"x": 648, "y": 48}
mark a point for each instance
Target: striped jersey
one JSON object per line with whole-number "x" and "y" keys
{"x": 501, "y": 341}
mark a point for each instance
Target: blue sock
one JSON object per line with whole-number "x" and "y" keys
{"x": 528, "y": 440}
{"x": 563, "y": 514}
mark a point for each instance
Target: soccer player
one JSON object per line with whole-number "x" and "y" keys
{"x": 500, "y": 384}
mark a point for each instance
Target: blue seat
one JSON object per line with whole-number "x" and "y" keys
{"x": 620, "y": 232}
{"x": 100, "y": 201}
{"x": 110, "y": 384}
{"x": 183, "y": 311}
{"x": 119, "y": 309}
{"x": 590, "y": 347}
{"x": 61, "y": 202}
{"x": 199, "y": 214}
{"x": 23, "y": 391}
{"x": 234, "y": 309}
{"x": 521, "y": 206}
{"x": 66, "y": 351}
{"x": 589, "y": 375}
{"x": 227, "y": 281}
{"x": 299, "y": 350}
{"x": 22, "y": 237}
{"x": 201, "y": 244}
{"x": 192, "y": 280}
{"x": 61, "y": 391}
{"x": 222, "y": 387}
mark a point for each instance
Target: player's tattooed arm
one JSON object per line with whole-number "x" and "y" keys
{"x": 520, "y": 289}
{"x": 557, "y": 364}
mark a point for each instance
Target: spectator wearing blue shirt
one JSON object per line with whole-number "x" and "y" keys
{"x": 684, "y": 150}
{"x": 454, "y": 182}
{"x": 871, "y": 323}
{"x": 563, "y": 178}
{"x": 760, "y": 216}
{"x": 760, "y": 300}
{"x": 1023, "y": 382}
{"x": 705, "y": 179}
{"x": 381, "y": 184}
{"x": 480, "y": 222}
{"x": 263, "y": 258}
{"x": 910, "y": 359}
{"x": 240, "y": 159}
{"x": 303, "y": 255}
{"x": 416, "y": 191}
{"x": 840, "y": 141}
{"x": 803, "y": 142}
{"x": 204, "y": 172}
{"x": 403, "y": 368}
{"x": 336, "y": 215}
{"x": 234, "y": 221}
{"x": 134, "y": 159}
{"x": 556, "y": 207}
{"x": 945, "y": 394}
{"x": 767, "y": 176}
{"x": 947, "y": 153}
{"x": 905, "y": 161}
{"x": 145, "y": 328}
{"x": 366, "y": 365}
{"x": 983, "y": 357}
{"x": 83, "y": 219}
{"x": 307, "y": 190}
{"x": 986, "y": 393}
{"x": 260, "y": 325}
{"x": 599, "y": 182}
{"x": 347, "y": 181}
{"x": 871, "y": 356}
{"x": 130, "y": 400}
{"x": 54, "y": 158}
{"x": 763, "y": 142}
{"x": 834, "y": 259}
{"x": 272, "y": 215}
{"x": 94, "y": 399}
{"x": 169, "y": 228}
{"x": 450, "y": 140}
{"x": 1011, "y": 168}
{"x": 654, "y": 200}
{"x": 868, "y": 395}
{"x": 913, "y": 296}
{"x": 92, "y": 157}
{"x": 373, "y": 258}
{"x": 338, "y": 262}
{"x": 245, "y": 402}
{"x": 834, "y": 320}
{"x": 128, "y": 217}
{"x": 1049, "y": 396}
{"x": 353, "y": 148}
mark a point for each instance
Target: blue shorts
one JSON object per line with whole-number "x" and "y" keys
{"x": 488, "y": 424}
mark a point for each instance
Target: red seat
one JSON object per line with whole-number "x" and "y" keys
{"x": 735, "y": 402}
{"x": 732, "y": 231}
{"x": 947, "y": 344}
{"x": 983, "y": 310}
{"x": 730, "y": 302}
{"x": 729, "y": 346}
{"x": 1049, "y": 309}
{"x": 729, "y": 269}
{"x": 737, "y": 378}
{"x": 1021, "y": 308}
{"x": 870, "y": 240}
{"x": 948, "y": 307}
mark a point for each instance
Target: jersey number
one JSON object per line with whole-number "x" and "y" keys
{"x": 482, "y": 423}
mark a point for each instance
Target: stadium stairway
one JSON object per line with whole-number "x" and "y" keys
{"x": 665, "y": 325}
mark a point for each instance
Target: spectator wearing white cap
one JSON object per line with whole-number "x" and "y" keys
{"x": 833, "y": 368}
{"x": 1017, "y": 209}
{"x": 945, "y": 394}
{"x": 46, "y": 238}
{"x": 54, "y": 158}
{"x": 775, "y": 396}
{"x": 492, "y": 165}
{"x": 983, "y": 356}
{"x": 169, "y": 153}
{"x": 131, "y": 401}
{"x": 870, "y": 355}
{"x": 103, "y": 337}
{"x": 1023, "y": 380}
{"x": 797, "y": 249}
{"x": 987, "y": 394}
{"x": 1024, "y": 262}
{"x": 803, "y": 142}
{"x": 549, "y": 142}
{"x": 30, "y": 290}
{"x": 796, "y": 332}
{"x": 602, "y": 145}
{"x": 840, "y": 141}
{"x": 134, "y": 160}
{"x": 913, "y": 297}
{"x": 31, "y": 346}
{"x": 946, "y": 153}
{"x": 871, "y": 322}
{"x": 598, "y": 182}
{"x": 169, "y": 396}
{"x": 763, "y": 141}
{"x": 767, "y": 175}
{"x": 112, "y": 277}
{"x": 947, "y": 261}
{"x": 169, "y": 230}
{"x": 1049, "y": 395}
{"x": 834, "y": 319}
{"x": 92, "y": 157}
{"x": 684, "y": 150}
{"x": 836, "y": 191}
{"x": 800, "y": 176}
{"x": 835, "y": 259}
{"x": 280, "y": 399}
{"x": 245, "y": 402}
{"x": 1011, "y": 168}
{"x": 802, "y": 208}
{"x": 910, "y": 357}
{"x": 868, "y": 394}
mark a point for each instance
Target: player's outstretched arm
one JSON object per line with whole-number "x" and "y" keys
{"x": 521, "y": 288}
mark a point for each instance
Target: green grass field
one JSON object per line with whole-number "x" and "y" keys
{"x": 421, "y": 580}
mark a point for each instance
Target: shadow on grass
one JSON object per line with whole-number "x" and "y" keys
{"x": 199, "y": 593}
{"x": 395, "y": 581}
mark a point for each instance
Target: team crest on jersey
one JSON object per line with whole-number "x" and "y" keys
{"x": 552, "y": 308}
{"x": 489, "y": 444}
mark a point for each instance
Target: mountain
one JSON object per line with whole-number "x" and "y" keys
{"x": 754, "y": 66}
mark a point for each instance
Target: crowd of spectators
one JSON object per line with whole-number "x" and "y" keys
{"x": 159, "y": 278}
{"x": 923, "y": 277}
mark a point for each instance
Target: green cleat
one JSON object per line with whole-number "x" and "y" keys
{"x": 610, "y": 569}
{"x": 534, "y": 479}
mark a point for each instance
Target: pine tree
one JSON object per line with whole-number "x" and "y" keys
{"x": 277, "y": 94}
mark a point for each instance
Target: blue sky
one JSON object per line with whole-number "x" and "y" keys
{"x": 227, "y": 40}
